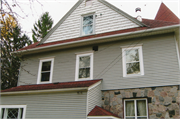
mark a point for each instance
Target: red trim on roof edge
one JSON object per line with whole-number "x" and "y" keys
{"x": 149, "y": 23}
{"x": 62, "y": 85}
{"x": 98, "y": 111}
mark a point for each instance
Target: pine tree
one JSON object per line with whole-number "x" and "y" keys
{"x": 12, "y": 39}
{"x": 42, "y": 27}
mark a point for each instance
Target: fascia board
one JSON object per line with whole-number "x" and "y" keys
{"x": 44, "y": 91}
{"x": 122, "y": 13}
{"x": 104, "y": 37}
{"x": 61, "y": 21}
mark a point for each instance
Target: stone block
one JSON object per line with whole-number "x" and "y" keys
{"x": 150, "y": 93}
{"x": 167, "y": 104}
{"x": 167, "y": 89}
{"x": 161, "y": 99}
{"x": 158, "y": 114}
{"x": 156, "y": 93}
{"x": 153, "y": 88}
{"x": 174, "y": 89}
{"x": 163, "y": 94}
{"x": 152, "y": 116}
{"x": 173, "y": 100}
{"x": 146, "y": 92}
{"x": 149, "y": 99}
{"x": 106, "y": 102}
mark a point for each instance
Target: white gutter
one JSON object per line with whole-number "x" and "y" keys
{"x": 97, "y": 38}
{"x": 43, "y": 91}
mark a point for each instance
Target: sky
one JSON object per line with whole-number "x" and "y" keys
{"x": 31, "y": 11}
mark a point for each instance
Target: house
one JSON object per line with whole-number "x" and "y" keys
{"x": 100, "y": 62}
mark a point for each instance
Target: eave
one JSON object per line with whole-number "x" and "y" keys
{"x": 104, "y": 39}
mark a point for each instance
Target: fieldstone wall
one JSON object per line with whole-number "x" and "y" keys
{"x": 163, "y": 102}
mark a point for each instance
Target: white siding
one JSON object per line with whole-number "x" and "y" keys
{"x": 94, "y": 97}
{"x": 110, "y": 20}
{"x": 51, "y": 106}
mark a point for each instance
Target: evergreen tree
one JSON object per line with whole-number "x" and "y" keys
{"x": 12, "y": 39}
{"x": 42, "y": 27}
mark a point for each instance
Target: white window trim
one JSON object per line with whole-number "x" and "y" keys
{"x": 81, "y": 29}
{"x": 14, "y": 106}
{"x": 135, "y": 106}
{"x": 140, "y": 60}
{"x": 39, "y": 71}
{"x": 77, "y": 66}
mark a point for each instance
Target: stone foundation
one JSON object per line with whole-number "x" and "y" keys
{"x": 163, "y": 102}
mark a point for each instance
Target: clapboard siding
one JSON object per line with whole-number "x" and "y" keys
{"x": 159, "y": 55}
{"x": 94, "y": 97}
{"x": 51, "y": 106}
{"x": 109, "y": 21}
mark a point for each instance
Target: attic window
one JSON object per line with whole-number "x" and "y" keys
{"x": 87, "y": 24}
{"x": 88, "y": 2}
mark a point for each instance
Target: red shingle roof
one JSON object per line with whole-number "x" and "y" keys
{"x": 63, "y": 85}
{"x": 165, "y": 14}
{"x": 98, "y": 111}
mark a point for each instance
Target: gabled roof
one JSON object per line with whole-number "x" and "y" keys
{"x": 165, "y": 14}
{"x": 63, "y": 85}
{"x": 77, "y": 4}
{"x": 98, "y": 111}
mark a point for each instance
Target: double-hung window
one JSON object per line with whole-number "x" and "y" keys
{"x": 87, "y": 24}
{"x": 84, "y": 66}
{"x": 132, "y": 61}
{"x": 13, "y": 112}
{"x": 45, "y": 70}
{"x": 135, "y": 109}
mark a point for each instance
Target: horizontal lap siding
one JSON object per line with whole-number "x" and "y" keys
{"x": 160, "y": 63}
{"x": 94, "y": 97}
{"x": 51, "y": 106}
{"x": 109, "y": 21}
{"x": 159, "y": 55}
{"x": 64, "y": 66}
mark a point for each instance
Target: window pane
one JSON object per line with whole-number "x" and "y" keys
{"x": 46, "y": 66}
{"x": 130, "y": 108}
{"x": 141, "y": 108}
{"x": 87, "y": 20}
{"x": 133, "y": 68}
{"x": 87, "y": 29}
{"x": 84, "y": 72}
{"x": 45, "y": 76}
{"x": 12, "y": 113}
{"x": 84, "y": 62}
{"x": 2, "y": 113}
{"x": 132, "y": 55}
{"x": 21, "y": 110}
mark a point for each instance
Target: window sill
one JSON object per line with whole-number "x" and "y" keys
{"x": 135, "y": 75}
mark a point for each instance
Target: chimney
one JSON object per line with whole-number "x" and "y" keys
{"x": 138, "y": 11}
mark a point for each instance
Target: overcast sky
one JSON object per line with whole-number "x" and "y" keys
{"x": 58, "y": 8}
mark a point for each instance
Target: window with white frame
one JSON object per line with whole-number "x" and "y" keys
{"x": 45, "y": 70}
{"x": 13, "y": 111}
{"x": 87, "y": 24}
{"x": 132, "y": 61}
{"x": 135, "y": 109}
{"x": 84, "y": 66}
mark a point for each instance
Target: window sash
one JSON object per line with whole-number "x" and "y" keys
{"x": 87, "y": 29}
{"x": 48, "y": 72}
{"x": 9, "y": 111}
{"x": 138, "y": 70}
{"x": 135, "y": 108}
{"x": 87, "y": 67}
